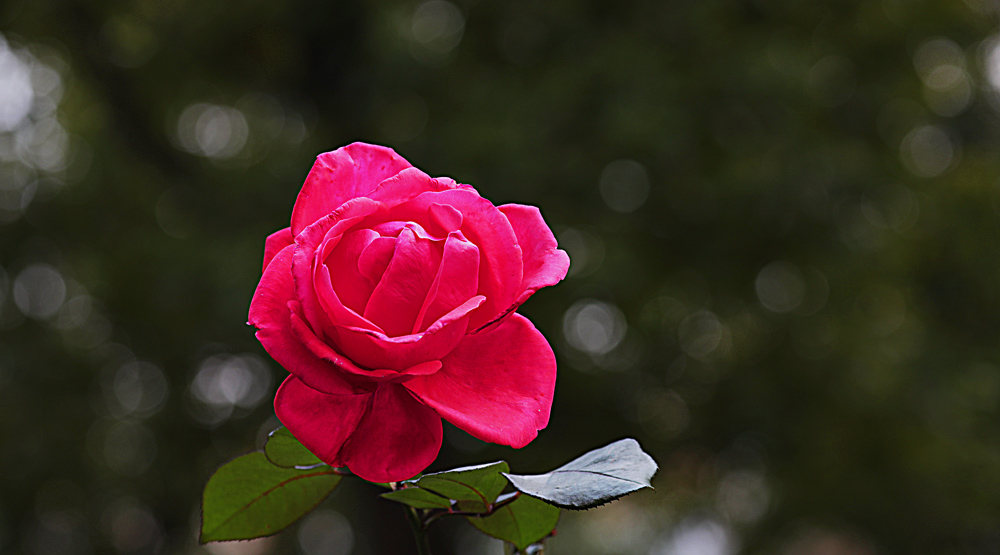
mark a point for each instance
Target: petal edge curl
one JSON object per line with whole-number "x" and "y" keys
{"x": 271, "y": 315}
{"x": 274, "y": 244}
{"x": 544, "y": 264}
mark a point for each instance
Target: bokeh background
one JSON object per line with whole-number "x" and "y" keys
{"x": 784, "y": 221}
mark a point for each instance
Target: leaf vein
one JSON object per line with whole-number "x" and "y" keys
{"x": 599, "y": 474}
{"x": 265, "y": 494}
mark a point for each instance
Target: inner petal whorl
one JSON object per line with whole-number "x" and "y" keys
{"x": 397, "y": 299}
{"x": 352, "y": 286}
{"x": 375, "y": 258}
{"x": 456, "y": 281}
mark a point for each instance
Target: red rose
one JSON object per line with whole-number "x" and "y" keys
{"x": 391, "y": 301}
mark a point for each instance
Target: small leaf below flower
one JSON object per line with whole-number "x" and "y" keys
{"x": 249, "y": 497}
{"x": 283, "y": 450}
{"x": 481, "y": 483}
{"x": 418, "y": 498}
{"x": 595, "y": 478}
{"x": 522, "y": 522}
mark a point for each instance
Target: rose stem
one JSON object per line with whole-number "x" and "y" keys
{"x": 419, "y": 531}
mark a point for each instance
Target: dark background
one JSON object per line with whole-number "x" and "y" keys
{"x": 782, "y": 215}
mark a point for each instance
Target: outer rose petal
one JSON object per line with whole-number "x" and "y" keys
{"x": 544, "y": 264}
{"x": 270, "y": 314}
{"x": 497, "y": 385}
{"x": 397, "y": 437}
{"x": 339, "y": 176}
{"x": 322, "y": 422}
{"x": 275, "y": 242}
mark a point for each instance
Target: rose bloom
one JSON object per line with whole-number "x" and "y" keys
{"x": 391, "y": 300}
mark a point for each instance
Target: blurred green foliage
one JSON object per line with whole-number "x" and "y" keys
{"x": 783, "y": 218}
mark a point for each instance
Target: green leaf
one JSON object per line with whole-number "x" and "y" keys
{"x": 250, "y": 498}
{"x": 481, "y": 483}
{"x": 471, "y": 506}
{"x": 418, "y": 498}
{"x": 597, "y": 477}
{"x": 283, "y": 450}
{"x": 522, "y": 522}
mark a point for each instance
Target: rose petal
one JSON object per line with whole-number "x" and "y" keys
{"x": 373, "y": 349}
{"x": 408, "y": 184}
{"x": 487, "y": 228}
{"x": 352, "y": 286}
{"x": 544, "y": 263}
{"x": 397, "y": 298}
{"x": 339, "y": 176}
{"x": 320, "y": 349}
{"x": 313, "y": 286}
{"x": 445, "y": 218}
{"x": 321, "y": 422}
{"x": 328, "y": 353}
{"x": 366, "y": 378}
{"x": 336, "y": 312}
{"x": 496, "y": 385}
{"x": 397, "y": 437}
{"x": 375, "y": 259}
{"x": 390, "y": 228}
{"x": 270, "y": 314}
{"x": 457, "y": 280}
{"x": 275, "y": 242}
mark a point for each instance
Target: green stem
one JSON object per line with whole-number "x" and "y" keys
{"x": 419, "y": 531}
